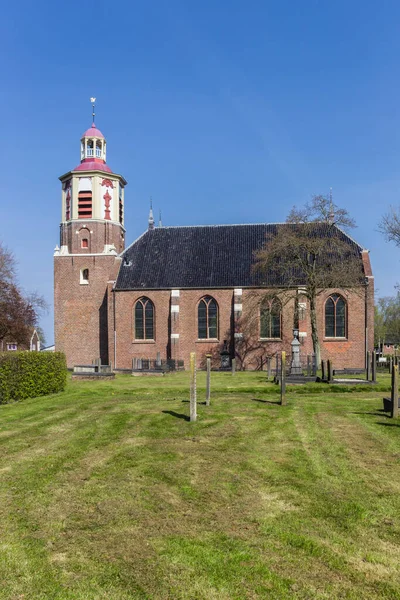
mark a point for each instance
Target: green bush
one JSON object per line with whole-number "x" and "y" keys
{"x": 30, "y": 374}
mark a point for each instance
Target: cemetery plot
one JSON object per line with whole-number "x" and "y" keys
{"x": 108, "y": 490}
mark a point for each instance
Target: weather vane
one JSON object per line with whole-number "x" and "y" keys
{"x": 93, "y": 100}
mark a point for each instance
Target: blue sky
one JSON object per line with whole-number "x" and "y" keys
{"x": 223, "y": 112}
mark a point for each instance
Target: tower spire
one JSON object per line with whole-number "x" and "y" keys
{"x": 331, "y": 216}
{"x": 93, "y": 101}
{"x": 151, "y": 216}
{"x": 159, "y": 219}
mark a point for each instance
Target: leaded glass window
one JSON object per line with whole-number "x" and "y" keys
{"x": 144, "y": 319}
{"x": 271, "y": 319}
{"x": 335, "y": 316}
{"x": 207, "y": 315}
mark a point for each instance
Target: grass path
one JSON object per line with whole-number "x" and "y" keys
{"x": 107, "y": 491}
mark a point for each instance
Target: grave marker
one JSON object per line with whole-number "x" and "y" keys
{"x": 330, "y": 370}
{"x": 208, "y": 382}
{"x": 193, "y": 389}
{"x": 374, "y": 367}
{"x": 368, "y": 365}
{"x": 395, "y": 392}
{"x": 268, "y": 368}
{"x": 283, "y": 378}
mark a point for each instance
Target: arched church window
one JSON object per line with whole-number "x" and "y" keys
{"x": 207, "y": 318}
{"x": 335, "y": 317}
{"x": 144, "y": 319}
{"x": 271, "y": 319}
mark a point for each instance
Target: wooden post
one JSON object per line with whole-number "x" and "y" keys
{"x": 395, "y": 392}
{"x": 193, "y": 390}
{"x": 368, "y": 365}
{"x": 323, "y": 370}
{"x": 283, "y": 378}
{"x": 373, "y": 366}
{"x": 208, "y": 386}
{"x": 233, "y": 366}
{"x": 329, "y": 367}
{"x": 269, "y": 368}
{"x": 390, "y": 365}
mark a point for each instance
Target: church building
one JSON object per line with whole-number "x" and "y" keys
{"x": 177, "y": 290}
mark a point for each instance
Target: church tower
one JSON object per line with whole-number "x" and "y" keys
{"x": 92, "y": 235}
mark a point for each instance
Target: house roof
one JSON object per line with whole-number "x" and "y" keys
{"x": 210, "y": 256}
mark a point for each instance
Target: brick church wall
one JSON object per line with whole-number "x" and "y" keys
{"x": 127, "y": 347}
{"x": 181, "y": 324}
{"x": 80, "y": 310}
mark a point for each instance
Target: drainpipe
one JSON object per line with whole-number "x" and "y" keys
{"x": 115, "y": 332}
{"x": 366, "y": 321}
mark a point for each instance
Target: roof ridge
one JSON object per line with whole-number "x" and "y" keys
{"x": 219, "y": 225}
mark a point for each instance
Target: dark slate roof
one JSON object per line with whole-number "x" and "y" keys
{"x": 210, "y": 256}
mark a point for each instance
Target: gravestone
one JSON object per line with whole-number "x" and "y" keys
{"x": 225, "y": 357}
{"x": 295, "y": 367}
{"x": 208, "y": 382}
{"x": 283, "y": 378}
{"x": 395, "y": 392}
{"x": 193, "y": 389}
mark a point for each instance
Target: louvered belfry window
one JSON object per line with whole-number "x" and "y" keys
{"x": 144, "y": 319}
{"x": 335, "y": 317}
{"x": 85, "y": 205}
{"x": 271, "y": 319}
{"x": 207, "y": 314}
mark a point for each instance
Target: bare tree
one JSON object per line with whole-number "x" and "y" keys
{"x": 390, "y": 225}
{"x": 244, "y": 343}
{"x": 249, "y": 350}
{"x": 387, "y": 319}
{"x": 312, "y": 253}
{"x": 7, "y": 265}
{"x": 321, "y": 209}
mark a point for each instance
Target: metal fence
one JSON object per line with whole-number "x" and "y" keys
{"x": 155, "y": 365}
{"x": 308, "y": 364}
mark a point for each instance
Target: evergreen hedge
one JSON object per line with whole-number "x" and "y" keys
{"x": 30, "y": 374}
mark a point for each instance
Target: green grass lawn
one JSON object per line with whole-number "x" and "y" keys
{"x": 108, "y": 491}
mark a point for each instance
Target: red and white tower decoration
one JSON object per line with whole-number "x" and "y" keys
{"x": 92, "y": 220}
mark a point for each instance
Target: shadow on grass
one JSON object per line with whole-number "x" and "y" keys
{"x": 177, "y": 415}
{"x": 266, "y": 401}
{"x": 389, "y": 424}
{"x": 378, "y": 413}
{"x": 188, "y": 401}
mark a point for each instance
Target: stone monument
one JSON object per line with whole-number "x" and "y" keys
{"x": 295, "y": 367}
